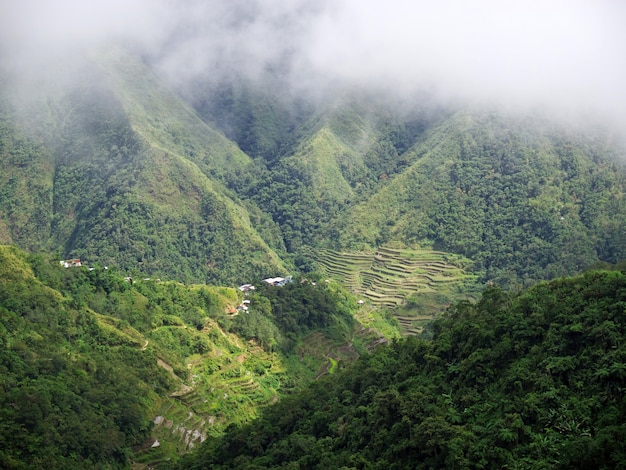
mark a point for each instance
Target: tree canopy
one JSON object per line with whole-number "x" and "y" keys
{"x": 528, "y": 380}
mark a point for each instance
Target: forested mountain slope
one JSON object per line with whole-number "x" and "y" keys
{"x": 129, "y": 175}
{"x": 96, "y": 368}
{"x": 391, "y": 171}
{"x": 336, "y": 152}
{"x": 531, "y": 380}
{"x": 123, "y": 170}
{"x": 524, "y": 199}
{"x": 75, "y": 387}
{"x": 26, "y": 186}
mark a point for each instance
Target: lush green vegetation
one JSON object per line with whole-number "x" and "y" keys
{"x": 118, "y": 169}
{"x": 521, "y": 199}
{"x": 74, "y": 392}
{"x": 524, "y": 199}
{"x": 529, "y": 380}
{"x": 281, "y": 316}
{"x": 96, "y": 367}
{"x": 25, "y": 185}
{"x": 126, "y": 174}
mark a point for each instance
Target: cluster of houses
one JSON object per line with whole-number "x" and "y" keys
{"x": 75, "y": 263}
{"x": 271, "y": 281}
{"x": 246, "y": 288}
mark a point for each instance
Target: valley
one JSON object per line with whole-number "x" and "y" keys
{"x": 444, "y": 258}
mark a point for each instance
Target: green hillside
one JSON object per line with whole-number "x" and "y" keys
{"x": 96, "y": 368}
{"x": 529, "y": 380}
{"x": 522, "y": 199}
{"x": 391, "y": 218}
{"x": 127, "y": 174}
{"x": 26, "y": 184}
{"x": 335, "y": 154}
{"x": 232, "y": 180}
{"x": 163, "y": 120}
{"x": 75, "y": 391}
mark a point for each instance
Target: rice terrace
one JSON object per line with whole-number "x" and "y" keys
{"x": 413, "y": 283}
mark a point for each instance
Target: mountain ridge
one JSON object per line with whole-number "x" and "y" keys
{"x": 133, "y": 154}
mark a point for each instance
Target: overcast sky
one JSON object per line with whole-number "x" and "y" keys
{"x": 566, "y": 54}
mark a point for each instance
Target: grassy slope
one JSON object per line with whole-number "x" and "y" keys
{"x": 336, "y": 146}
{"x": 388, "y": 206}
{"x": 164, "y": 121}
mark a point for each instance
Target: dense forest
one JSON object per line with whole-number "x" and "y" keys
{"x": 527, "y": 380}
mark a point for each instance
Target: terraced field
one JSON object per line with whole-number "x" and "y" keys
{"x": 390, "y": 276}
{"x": 229, "y": 382}
{"x": 226, "y": 385}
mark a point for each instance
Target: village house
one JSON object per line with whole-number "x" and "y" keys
{"x": 71, "y": 263}
{"x": 278, "y": 281}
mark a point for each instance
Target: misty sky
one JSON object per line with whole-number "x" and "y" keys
{"x": 566, "y": 54}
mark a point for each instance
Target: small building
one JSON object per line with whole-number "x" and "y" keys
{"x": 278, "y": 281}
{"x": 246, "y": 287}
{"x": 274, "y": 281}
{"x": 71, "y": 263}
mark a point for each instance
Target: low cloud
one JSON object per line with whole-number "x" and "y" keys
{"x": 568, "y": 56}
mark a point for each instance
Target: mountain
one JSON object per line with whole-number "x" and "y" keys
{"x": 522, "y": 196}
{"x": 385, "y": 214}
{"x": 530, "y": 380}
{"x": 133, "y": 177}
{"x": 224, "y": 181}
{"x": 524, "y": 199}
{"x": 340, "y": 152}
